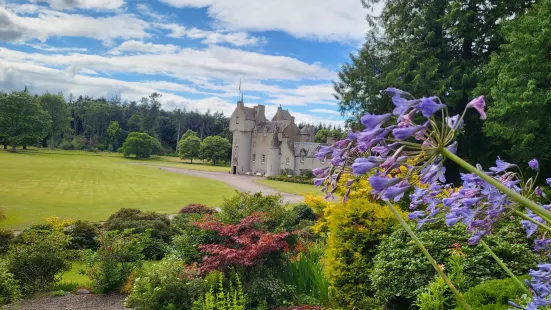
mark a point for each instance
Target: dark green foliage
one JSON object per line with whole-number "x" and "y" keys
{"x": 197, "y": 208}
{"x": 140, "y": 221}
{"x": 59, "y": 113}
{"x": 9, "y": 286}
{"x": 322, "y": 135}
{"x": 188, "y": 237}
{"x": 493, "y": 294}
{"x": 37, "y": 261}
{"x": 189, "y": 147}
{"x": 516, "y": 85}
{"x": 303, "y": 212}
{"x": 292, "y": 179}
{"x": 167, "y": 285}
{"x": 6, "y": 238}
{"x": 120, "y": 254}
{"x": 391, "y": 279}
{"x": 142, "y": 145}
{"x": 84, "y": 235}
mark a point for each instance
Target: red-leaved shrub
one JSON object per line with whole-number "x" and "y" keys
{"x": 244, "y": 244}
{"x": 196, "y": 208}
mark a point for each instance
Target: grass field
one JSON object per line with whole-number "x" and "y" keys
{"x": 79, "y": 185}
{"x": 176, "y": 162}
{"x": 291, "y": 188}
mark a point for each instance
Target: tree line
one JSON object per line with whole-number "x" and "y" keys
{"x": 97, "y": 123}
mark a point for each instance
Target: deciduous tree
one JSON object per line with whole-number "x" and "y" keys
{"x": 189, "y": 148}
{"x": 215, "y": 148}
{"x": 59, "y": 112}
{"x": 142, "y": 145}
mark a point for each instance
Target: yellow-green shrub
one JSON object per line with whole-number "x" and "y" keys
{"x": 353, "y": 230}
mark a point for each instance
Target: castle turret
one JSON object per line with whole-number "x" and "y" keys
{"x": 273, "y": 157}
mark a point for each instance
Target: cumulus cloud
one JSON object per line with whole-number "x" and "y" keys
{"x": 83, "y": 4}
{"x": 148, "y": 48}
{"x": 49, "y": 23}
{"x": 211, "y": 37}
{"x": 328, "y": 20}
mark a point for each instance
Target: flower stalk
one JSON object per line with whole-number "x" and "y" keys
{"x": 537, "y": 209}
{"x": 504, "y": 267}
{"x": 433, "y": 262}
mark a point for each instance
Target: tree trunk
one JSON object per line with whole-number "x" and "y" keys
{"x": 52, "y": 142}
{"x": 13, "y": 148}
{"x": 192, "y": 160}
{"x": 5, "y": 146}
{"x": 24, "y": 147}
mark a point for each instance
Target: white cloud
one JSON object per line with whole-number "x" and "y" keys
{"x": 211, "y": 37}
{"x": 146, "y": 10}
{"x": 148, "y": 48}
{"x": 324, "y": 111}
{"x": 83, "y": 4}
{"x": 327, "y": 20}
{"x": 47, "y": 48}
{"x": 213, "y": 62}
{"x": 49, "y": 23}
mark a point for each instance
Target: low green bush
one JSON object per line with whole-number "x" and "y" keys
{"x": 38, "y": 259}
{"x": 493, "y": 294}
{"x": 303, "y": 212}
{"x": 292, "y": 179}
{"x": 166, "y": 285}
{"x": 222, "y": 294}
{"x": 188, "y": 237}
{"x": 6, "y": 238}
{"x": 119, "y": 254}
{"x": 139, "y": 221}
{"x": 84, "y": 235}
{"x": 197, "y": 208}
{"x": 9, "y": 286}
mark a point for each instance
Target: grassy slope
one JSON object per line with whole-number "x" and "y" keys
{"x": 291, "y": 188}
{"x": 178, "y": 163}
{"x": 38, "y": 184}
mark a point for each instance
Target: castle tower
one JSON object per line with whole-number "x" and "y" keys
{"x": 242, "y": 122}
{"x": 274, "y": 161}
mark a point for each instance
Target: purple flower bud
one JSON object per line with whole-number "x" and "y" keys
{"x": 452, "y": 147}
{"x": 395, "y": 192}
{"x": 548, "y": 180}
{"x": 454, "y": 123}
{"x": 368, "y": 135}
{"x": 501, "y": 166}
{"x": 397, "y": 92}
{"x": 352, "y": 136}
{"x": 529, "y": 227}
{"x": 319, "y": 171}
{"x": 416, "y": 215}
{"x": 323, "y": 152}
{"x": 534, "y": 164}
{"x": 371, "y": 121}
{"x": 429, "y": 107}
{"x": 538, "y": 191}
{"x": 405, "y": 133}
{"x": 478, "y": 104}
{"x": 362, "y": 166}
{"x": 381, "y": 150}
{"x": 350, "y": 182}
{"x": 381, "y": 183}
{"x": 318, "y": 181}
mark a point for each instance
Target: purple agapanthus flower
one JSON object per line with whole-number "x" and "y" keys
{"x": 324, "y": 151}
{"x": 405, "y": 133}
{"x": 371, "y": 121}
{"x": 479, "y": 105}
{"x": 428, "y": 107}
{"x": 454, "y": 122}
{"x": 534, "y": 164}
{"x": 379, "y": 183}
{"x": 363, "y": 166}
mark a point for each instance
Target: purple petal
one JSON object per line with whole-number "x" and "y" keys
{"x": 429, "y": 107}
{"x": 381, "y": 183}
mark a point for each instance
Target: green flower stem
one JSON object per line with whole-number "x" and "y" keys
{"x": 539, "y": 210}
{"x": 420, "y": 245}
{"x": 526, "y": 217}
{"x": 507, "y": 270}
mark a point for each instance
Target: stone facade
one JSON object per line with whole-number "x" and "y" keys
{"x": 268, "y": 147}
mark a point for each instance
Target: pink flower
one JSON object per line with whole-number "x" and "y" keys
{"x": 479, "y": 104}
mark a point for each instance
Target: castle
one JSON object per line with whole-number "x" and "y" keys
{"x": 263, "y": 147}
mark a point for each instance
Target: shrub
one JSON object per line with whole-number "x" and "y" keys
{"x": 391, "y": 279}
{"x": 9, "y": 286}
{"x": 6, "y": 238}
{"x": 306, "y": 173}
{"x": 169, "y": 285}
{"x": 223, "y": 295}
{"x": 185, "y": 244}
{"x": 292, "y": 179}
{"x": 66, "y": 145}
{"x": 196, "y": 208}
{"x": 84, "y": 235}
{"x": 140, "y": 221}
{"x": 119, "y": 254}
{"x": 243, "y": 244}
{"x": 142, "y": 145}
{"x": 493, "y": 294}
{"x": 38, "y": 259}
{"x": 354, "y": 230}
{"x": 303, "y": 212}
{"x": 286, "y": 172}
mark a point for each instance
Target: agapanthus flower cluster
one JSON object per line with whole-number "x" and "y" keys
{"x": 539, "y": 286}
{"x": 419, "y": 134}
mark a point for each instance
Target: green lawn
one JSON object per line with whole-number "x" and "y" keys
{"x": 291, "y": 188}
{"x": 74, "y": 275}
{"x": 175, "y": 162}
{"x": 80, "y": 185}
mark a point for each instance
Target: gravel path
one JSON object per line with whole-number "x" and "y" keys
{"x": 242, "y": 183}
{"x": 72, "y": 302}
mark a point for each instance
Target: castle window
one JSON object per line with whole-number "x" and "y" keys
{"x": 237, "y": 119}
{"x": 287, "y": 161}
{"x": 265, "y": 132}
{"x": 302, "y": 159}
{"x": 263, "y": 158}
{"x": 254, "y": 158}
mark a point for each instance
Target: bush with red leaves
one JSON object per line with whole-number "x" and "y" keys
{"x": 244, "y": 245}
{"x": 303, "y": 307}
{"x": 196, "y": 208}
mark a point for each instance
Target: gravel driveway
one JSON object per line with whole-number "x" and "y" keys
{"x": 242, "y": 183}
{"x": 72, "y": 302}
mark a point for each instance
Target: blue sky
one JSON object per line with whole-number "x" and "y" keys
{"x": 194, "y": 52}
